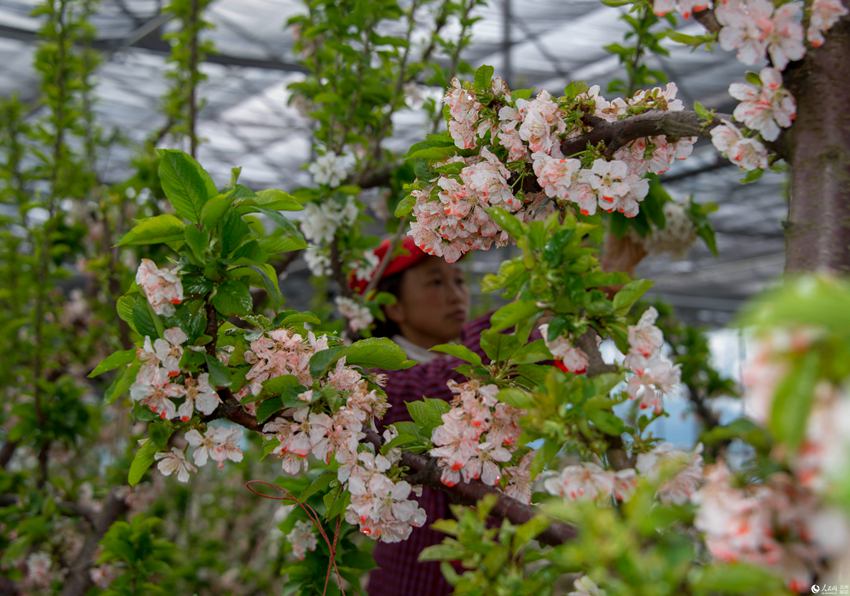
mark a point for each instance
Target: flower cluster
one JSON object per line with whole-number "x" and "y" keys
{"x": 766, "y": 108}
{"x": 588, "y": 481}
{"x": 380, "y": 506}
{"x": 685, "y": 7}
{"x": 359, "y": 317}
{"x": 745, "y": 152}
{"x": 476, "y": 436}
{"x": 756, "y": 29}
{"x": 321, "y": 220}
{"x": 567, "y": 357}
{"x": 513, "y": 139}
{"x": 688, "y": 466}
{"x": 161, "y": 287}
{"x": 778, "y": 525}
{"x": 219, "y": 443}
{"x": 825, "y": 451}
{"x": 456, "y": 221}
{"x": 302, "y": 539}
{"x": 654, "y": 373}
{"x": 676, "y": 237}
{"x": 160, "y": 380}
{"x": 331, "y": 169}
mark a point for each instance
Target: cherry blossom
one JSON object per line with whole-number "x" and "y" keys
{"x": 765, "y": 108}
{"x": 218, "y": 443}
{"x": 776, "y": 524}
{"x": 321, "y": 220}
{"x": 165, "y": 352}
{"x": 825, "y": 13}
{"x": 153, "y": 388}
{"x": 541, "y": 124}
{"x": 103, "y": 575}
{"x": 519, "y": 484}
{"x": 463, "y": 108}
{"x": 331, "y": 168}
{"x": 568, "y": 357}
{"x": 645, "y": 338}
{"x": 555, "y": 175}
{"x": 680, "y": 488}
{"x": 359, "y": 317}
{"x": 162, "y": 287}
{"x": 174, "y": 461}
{"x": 39, "y": 567}
{"x": 302, "y": 539}
{"x": 200, "y": 396}
{"x": 585, "y": 481}
{"x": 616, "y": 188}
{"x": 753, "y": 28}
{"x": 584, "y": 586}
{"x": 685, "y": 7}
{"x": 472, "y": 441}
{"x": 677, "y": 236}
{"x": 747, "y": 153}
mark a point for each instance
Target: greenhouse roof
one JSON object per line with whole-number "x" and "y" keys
{"x": 533, "y": 43}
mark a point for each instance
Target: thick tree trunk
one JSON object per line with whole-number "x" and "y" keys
{"x": 818, "y": 233}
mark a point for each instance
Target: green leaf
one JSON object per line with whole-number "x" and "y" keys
{"x": 268, "y": 408}
{"x": 143, "y": 460}
{"x": 319, "y": 484}
{"x": 508, "y": 222}
{"x": 377, "y": 352}
{"x": 432, "y": 153}
{"x": 752, "y": 176}
{"x": 531, "y": 353}
{"x": 214, "y": 209}
{"x": 160, "y": 229}
{"x": 737, "y": 578}
{"x": 286, "y": 386}
{"x": 529, "y": 530}
{"x": 233, "y": 297}
{"x": 143, "y": 318}
{"x": 483, "y": 77}
{"x": 498, "y": 346}
{"x": 516, "y": 398}
{"x": 459, "y": 351}
{"x": 320, "y": 362}
{"x": 513, "y": 313}
{"x": 113, "y": 361}
{"x": 405, "y": 206}
{"x": 629, "y": 294}
{"x": 122, "y": 383}
{"x": 427, "y": 413}
{"x": 279, "y": 200}
{"x": 607, "y": 422}
{"x": 219, "y": 374}
{"x": 793, "y": 401}
{"x": 185, "y": 183}
{"x": 447, "y": 551}
{"x": 197, "y": 240}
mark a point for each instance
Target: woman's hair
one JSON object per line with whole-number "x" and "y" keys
{"x": 392, "y": 285}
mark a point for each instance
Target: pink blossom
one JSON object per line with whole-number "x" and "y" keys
{"x": 165, "y": 352}
{"x": 174, "y": 462}
{"x": 645, "y": 338}
{"x": 825, "y": 13}
{"x": 688, "y": 478}
{"x": 542, "y": 124}
{"x": 685, "y": 7}
{"x": 767, "y": 108}
{"x": 555, "y": 175}
{"x": 748, "y": 154}
{"x": 302, "y": 539}
{"x": 519, "y": 483}
{"x": 200, "y": 395}
{"x": 154, "y": 389}
{"x": 38, "y": 570}
{"x": 651, "y": 381}
{"x": 219, "y": 443}
{"x": 586, "y": 481}
{"x": 161, "y": 287}
{"x": 463, "y": 108}
{"x": 573, "y": 359}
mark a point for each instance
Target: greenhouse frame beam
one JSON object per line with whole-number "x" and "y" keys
{"x": 158, "y": 46}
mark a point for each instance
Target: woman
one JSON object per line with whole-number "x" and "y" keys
{"x": 432, "y": 303}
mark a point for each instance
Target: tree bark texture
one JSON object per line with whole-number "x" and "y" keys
{"x": 818, "y": 230}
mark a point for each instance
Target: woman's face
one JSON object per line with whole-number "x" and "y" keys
{"x": 433, "y": 303}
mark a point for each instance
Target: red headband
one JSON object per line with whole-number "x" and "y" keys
{"x": 410, "y": 256}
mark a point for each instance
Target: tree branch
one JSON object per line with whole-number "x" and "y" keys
{"x": 707, "y": 19}
{"x": 423, "y": 470}
{"x": 79, "y": 580}
{"x": 617, "y": 134}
